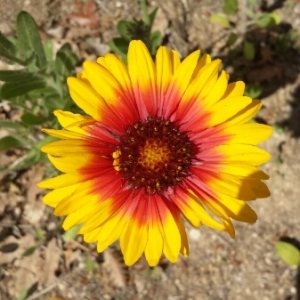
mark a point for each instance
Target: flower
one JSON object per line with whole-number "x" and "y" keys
{"x": 161, "y": 142}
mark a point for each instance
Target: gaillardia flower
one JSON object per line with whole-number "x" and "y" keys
{"x": 161, "y": 142}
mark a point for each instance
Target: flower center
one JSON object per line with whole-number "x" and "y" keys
{"x": 154, "y": 154}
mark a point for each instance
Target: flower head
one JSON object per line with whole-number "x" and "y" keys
{"x": 161, "y": 141}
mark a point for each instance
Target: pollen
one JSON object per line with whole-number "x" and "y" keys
{"x": 154, "y": 155}
{"x": 115, "y": 156}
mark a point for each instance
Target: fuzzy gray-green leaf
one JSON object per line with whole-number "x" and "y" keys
{"x": 29, "y": 37}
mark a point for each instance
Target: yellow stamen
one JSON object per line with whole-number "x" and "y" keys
{"x": 153, "y": 153}
{"x": 116, "y": 162}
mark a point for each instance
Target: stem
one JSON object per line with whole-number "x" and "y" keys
{"x": 15, "y": 59}
{"x": 243, "y": 19}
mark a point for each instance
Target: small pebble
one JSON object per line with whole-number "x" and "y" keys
{"x": 194, "y": 234}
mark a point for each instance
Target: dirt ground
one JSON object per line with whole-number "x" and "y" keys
{"x": 218, "y": 267}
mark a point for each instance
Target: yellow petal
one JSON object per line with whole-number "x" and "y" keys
{"x": 66, "y": 118}
{"x": 65, "y": 148}
{"x": 169, "y": 230}
{"x": 118, "y": 70}
{"x": 136, "y": 230}
{"x": 175, "y": 60}
{"x": 236, "y": 209}
{"x": 142, "y": 73}
{"x": 183, "y": 73}
{"x": 240, "y": 170}
{"x": 67, "y": 164}
{"x": 109, "y": 88}
{"x": 245, "y": 114}
{"x": 163, "y": 66}
{"x": 217, "y": 91}
{"x": 154, "y": 245}
{"x": 55, "y": 196}
{"x": 205, "y": 75}
{"x": 247, "y": 154}
{"x": 82, "y": 196}
{"x": 63, "y": 134}
{"x": 172, "y": 238}
{"x": 204, "y": 60}
{"x": 81, "y": 215}
{"x": 86, "y": 98}
{"x": 101, "y": 214}
{"x": 140, "y": 65}
{"x": 258, "y": 187}
{"x": 110, "y": 231}
{"x": 92, "y": 236}
{"x": 229, "y": 227}
{"x": 251, "y": 133}
{"x": 192, "y": 209}
{"x": 227, "y": 108}
{"x": 60, "y": 181}
{"x": 234, "y": 89}
{"x": 230, "y": 186}
{"x": 184, "y": 249}
{"x": 131, "y": 249}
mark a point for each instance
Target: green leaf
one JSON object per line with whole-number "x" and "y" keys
{"x": 119, "y": 45}
{"x": 152, "y": 16}
{"x": 23, "y": 295}
{"x": 65, "y": 60}
{"x": 7, "y": 46}
{"x": 232, "y": 39}
{"x": 266, "y": 20}
{"x": 230, "y": 7}
{"x": 54, "y": 101}
{"x": 155, "y": 41}
{"x": 293, "y": 35}
{"x": 70, "y": 234}
{"x": 13, "y": 125}
{"x": 249, "y": 50}
{"x": 29, "y": 251}
{"x": 253, "y": 91}
{"x": 30, "y": 158}
{"x": 146, "y": 17}
{"x": 29, "y": 37}
{"x": 288, "y": 253}
{"x": 252, "y": 3}
{"x": 48, "y": 48}
{"x": 250, "y": 14}
{"x": 48, "y": 139}
{"x": 11, "y": 142}
{"x": 219, "y": 20}
{"x": 276, "y": 17}
{"x": 40, "y": 234}
{"x": 31, "y": 119}
{"x": 122, "y": 28}
{"x": 13, "y": 89}
{"x": 14, "y": 76}
{"x": 90, "y": 264}
{"x": 8, "y": 50}
{"x": 278, "y": 128}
